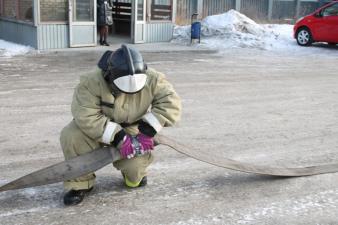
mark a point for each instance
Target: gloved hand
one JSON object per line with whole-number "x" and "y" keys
{"x": 145, "y": 137}
{"x": 123, "y": 142}
{"x": 129, "y": 146}
{"x": 127, "y": 150}
{"x": 146, "y": 142}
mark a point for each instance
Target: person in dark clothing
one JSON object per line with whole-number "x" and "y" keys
{"x": 104, "y": 18}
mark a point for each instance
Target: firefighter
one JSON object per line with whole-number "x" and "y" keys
{"x": 123, "y": 104}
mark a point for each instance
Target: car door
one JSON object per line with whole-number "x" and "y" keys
{"x": 330, "y": 22}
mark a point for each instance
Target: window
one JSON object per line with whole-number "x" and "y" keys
{"x": 9, "y": 9}
{"x": 54, "y": 10}
{"x": 84, "y": 10}
{"x": 140, "y": 12}
{"x": 26, "y": 10}
{"x": 17, "y": 9}
{"x": 331, "y": 10}
{"x": 161, "y": 10}
{"x": 1, "y": 8}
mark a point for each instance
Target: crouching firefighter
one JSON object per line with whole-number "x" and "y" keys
{"x": 122, "y": 104}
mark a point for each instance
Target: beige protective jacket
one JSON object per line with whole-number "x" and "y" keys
{"x": 99, "y": 114}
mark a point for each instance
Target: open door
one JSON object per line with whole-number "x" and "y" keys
{"x": 82, "y": 23}
{"x": 138, "y": 28}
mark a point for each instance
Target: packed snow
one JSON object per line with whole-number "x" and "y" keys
{"x": 9, "y": 49}
{"x": 235, "y": 30}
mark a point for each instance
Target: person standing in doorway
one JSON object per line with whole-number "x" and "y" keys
{"x": 104, "y": 19}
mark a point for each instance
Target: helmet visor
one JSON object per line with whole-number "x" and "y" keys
{"x": 131, "y": 83}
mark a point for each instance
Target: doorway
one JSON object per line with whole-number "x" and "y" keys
{"x": 128, "y": 21}
{"x": 120, "y": 31}
{"x": 82, "y": 23}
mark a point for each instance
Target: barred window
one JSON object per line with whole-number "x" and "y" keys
{"x": 84, "y": 10}
{"x": 54, "y": 10}
{"x": 161, "y": 10}
{"x": 9, "y": 9}
{"x": 17, "y": 9}
{"x": 26, "y": 10}
{"x": 140, "y": 13}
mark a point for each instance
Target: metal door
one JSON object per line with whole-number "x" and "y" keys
{"x": 82, "y": 23}
{"x": 331, "y": 21}
{"x": 138, "y": 27}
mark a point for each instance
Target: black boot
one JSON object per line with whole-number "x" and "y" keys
{"x": 105, "y": 43}
{"x": 74, "y": 197}
{"x": 101, "y": 42}
{"x": 143, "y": 182}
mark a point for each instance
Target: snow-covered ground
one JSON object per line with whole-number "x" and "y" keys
{"x": 9, "y": 49}
{"x": 235, "y": 30}
{"x": 268, "y": 109}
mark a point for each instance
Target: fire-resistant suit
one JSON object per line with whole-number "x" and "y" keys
{"x": 99, "y": 114}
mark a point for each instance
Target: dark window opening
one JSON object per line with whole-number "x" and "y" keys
{"x": 161, "y": 10}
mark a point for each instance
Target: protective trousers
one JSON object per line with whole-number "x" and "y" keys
{"x": 74, "y": 143}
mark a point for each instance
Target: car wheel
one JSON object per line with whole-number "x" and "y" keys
{"x": 304, "y": 36}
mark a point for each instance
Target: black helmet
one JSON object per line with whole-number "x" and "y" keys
{"x": 124, "y": 69}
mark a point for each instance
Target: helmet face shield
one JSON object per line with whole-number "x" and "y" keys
{"x": 131, "y": 83}
{"x": 124, "y": 69}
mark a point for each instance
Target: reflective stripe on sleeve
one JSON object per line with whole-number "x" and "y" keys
{"x": 153, "y": 121}
{"x": 108, "y": 132}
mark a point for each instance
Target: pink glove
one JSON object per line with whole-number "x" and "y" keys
{"x": 126, "y": 150}
{"x": 131, "y": 146}
{"x": 146, "y": 142}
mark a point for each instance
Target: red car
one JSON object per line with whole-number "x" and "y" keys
{"x": 320, "y": 26}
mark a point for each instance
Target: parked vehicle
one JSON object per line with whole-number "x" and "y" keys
{"x": 320, "y": 26}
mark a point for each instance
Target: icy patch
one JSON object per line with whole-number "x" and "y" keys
{"x": 9, "y": 49}
{"x": 3, "y": 182}
{"x": 31, "y": 192}
{"x": 6, "y": 93}
{"x": 170, "y": 164}
{"x": 29, "y": 200}
{"x": 291, "y": 208}
{"x": 209, "y": 219}
{"x": 24, "y": 211}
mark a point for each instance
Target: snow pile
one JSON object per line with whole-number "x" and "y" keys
{"x": 281, "y": 37}
{"x": 9, "y": 49}
{"x": 233, "y": 29}
{"x": 230, "y": 22}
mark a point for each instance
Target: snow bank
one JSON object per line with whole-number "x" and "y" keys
{"x": 230, "y": 22}
{"x": 233, "y": 29}
{"x": 9, "y": 49}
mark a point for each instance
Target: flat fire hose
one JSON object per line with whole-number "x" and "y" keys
{"x": 95, "y": 160}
